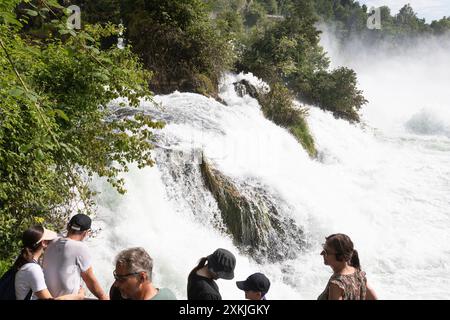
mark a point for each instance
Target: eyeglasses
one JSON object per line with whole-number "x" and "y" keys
{"x": 325, "y": 252}
{"x": 123, "y": 277}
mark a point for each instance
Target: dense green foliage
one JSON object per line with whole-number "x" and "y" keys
{"x": 289, "y": 52}
{"x": 441, "y": 26}
{"x": 175, "y": 39}
{"x": 56, "y": 130}
{"x": 336, "y": 91}
{"x": 277, "y": 105}
{"x": 350, "y": 20}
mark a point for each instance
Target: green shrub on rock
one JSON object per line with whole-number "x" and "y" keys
{"x": 278, "y": 106}
{"x": 289, "y": 52}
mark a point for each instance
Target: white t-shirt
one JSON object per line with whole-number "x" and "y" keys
{"x": 64, "y": 261}
{"x": 29, "y": 277}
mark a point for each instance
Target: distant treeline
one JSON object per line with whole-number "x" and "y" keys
{"x": 350, "y": 19}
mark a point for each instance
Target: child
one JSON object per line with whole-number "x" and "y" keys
{"x": 256, "y": 286}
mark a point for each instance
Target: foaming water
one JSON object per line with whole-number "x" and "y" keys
{"x": 388, "y": 192}
{"x": 409, "y": 113}
{"x": 429, "y": 122}
{"x": 401, "y": 83}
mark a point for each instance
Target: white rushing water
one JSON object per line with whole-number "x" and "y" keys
{"x": 385, "y": 184}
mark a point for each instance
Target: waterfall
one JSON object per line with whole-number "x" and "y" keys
{"x": 384, "y": 184}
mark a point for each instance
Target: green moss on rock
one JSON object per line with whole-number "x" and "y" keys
{"x": 278, "y": 106}
{"x": 252, "y": 219}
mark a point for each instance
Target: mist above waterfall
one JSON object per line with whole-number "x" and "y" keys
{"x": 406, "y": 85}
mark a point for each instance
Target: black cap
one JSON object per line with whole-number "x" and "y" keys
{"x": 80, "y": 222}
{"x": 256, "y": 282}
{"x": 222, "y": 263}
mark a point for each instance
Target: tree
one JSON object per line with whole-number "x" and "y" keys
{"x": 337, "y": 92}
{"x": 101, "y": 12}
{"x": 408, "y": 22}
{"x": 441, "y": 27}
{"x": 56, "y": 128}
{"x": 289, "y": 53}
{"x": 176, "y": 40}
{"x": 288, "y": 48}
{"x": 270, "y": 6}
{"x": 254, "y": 14}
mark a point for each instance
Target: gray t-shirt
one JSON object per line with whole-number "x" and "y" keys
{"x": 164, "y": 294}
{"x": 64, "y": 261}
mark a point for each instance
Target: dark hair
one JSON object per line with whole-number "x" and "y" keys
{"x": 343, "y": 246}
{"x": 30, "y": 245}
{"x": 200, "y": 265}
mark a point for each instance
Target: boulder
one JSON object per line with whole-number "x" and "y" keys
{"x": 244, "y": 87}
{"x": 253, "y": 217}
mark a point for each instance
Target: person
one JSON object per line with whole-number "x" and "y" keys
{"x": 133, "y": 278}
{"x": 201, "y": 281}
{"x": 348, "y": 281}
{"x": 29, "y": 278}
{"x": 67, "y": 261}
{"x": 256, "y": 286}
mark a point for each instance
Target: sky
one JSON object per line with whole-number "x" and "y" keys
{"x": 428, "y": 9}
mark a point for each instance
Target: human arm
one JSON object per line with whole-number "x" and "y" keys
{"x": 370, "y": 294}
{"x": 93, "y": 285}
{"x": 46, "y": 295}
{"x": 335, "y": 292}
{"x": 43, "y": 294}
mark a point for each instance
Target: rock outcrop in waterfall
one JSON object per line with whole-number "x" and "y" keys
{"x": 253, "y": 217}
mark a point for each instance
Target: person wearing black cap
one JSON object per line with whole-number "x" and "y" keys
{"x": 67, "y": 261}
{"x": 201, "y": 281}
{"x": 256, "y": 286}
{"x": 29, "y": 280}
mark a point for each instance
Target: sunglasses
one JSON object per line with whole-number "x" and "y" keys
{"x": 325, "y": 251}
{"x": 123, "y": 277}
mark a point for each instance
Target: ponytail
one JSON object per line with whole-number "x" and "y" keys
{"x": 25, "y": 256}
{"x": 354, "y": 261}
{"x": 31, "y": 244}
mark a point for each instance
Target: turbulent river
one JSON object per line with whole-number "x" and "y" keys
{"x": 386, "y": 183}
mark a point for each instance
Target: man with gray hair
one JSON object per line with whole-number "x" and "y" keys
{"x": 133, "y": 277}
